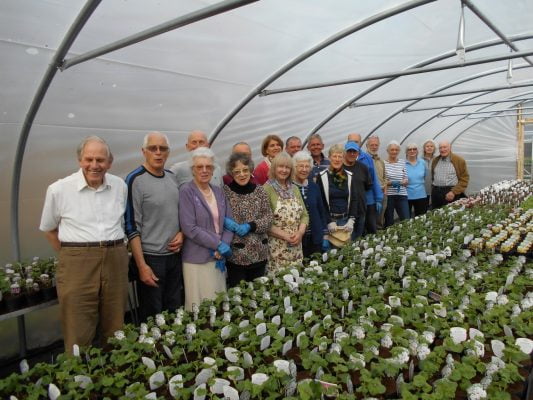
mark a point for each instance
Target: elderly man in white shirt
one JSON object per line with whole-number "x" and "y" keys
{"x": 83, "y": 221}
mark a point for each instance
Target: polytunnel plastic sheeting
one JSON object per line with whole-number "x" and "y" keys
{"x": 195, "y": 76}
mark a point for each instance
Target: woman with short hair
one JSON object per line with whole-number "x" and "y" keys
{"x": 252, "y": 219}
{"x": 336, "y": 187}
{"x": 202, "y": 210}
{"x": 271, "y": 146}
{"x": 290, "y": 217}
{"x": 315, "y": 238}
{"x": 396, "y": 180}
{"x": 416, "y": 174}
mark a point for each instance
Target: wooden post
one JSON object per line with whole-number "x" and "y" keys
{"x": 520, "y": 145}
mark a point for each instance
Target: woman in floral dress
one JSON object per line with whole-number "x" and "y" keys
{"x": 290, "y": 217}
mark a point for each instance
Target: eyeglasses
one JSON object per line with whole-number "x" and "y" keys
{"x": 154, "y": 148}
{"x": 303, "y": 167}
{"x": 244, "y": 171}
{"x": 412, "y": 149}
{"x": 203, "y": 167}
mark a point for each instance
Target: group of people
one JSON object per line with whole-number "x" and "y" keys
{"x": 193, "y": 226}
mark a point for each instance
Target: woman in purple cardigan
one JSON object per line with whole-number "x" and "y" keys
{"x": 202, "y": 209}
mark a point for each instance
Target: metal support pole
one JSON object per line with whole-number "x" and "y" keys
{"x": 498, "y": 116}
{"x": 183, "y": 20}
{"x": 433, "y": 96}
{"x": 21, "y": 325}
{"x": 308, "y": 53}
{"x": 412, "y": 71}
{"x": 481, "y": 103}
{"x": 62, "y": 50}
{"x": 486, "y": 112}
{"x": 493, "y": 27}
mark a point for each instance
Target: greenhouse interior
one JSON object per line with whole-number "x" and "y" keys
{"x": 389, "y": 302}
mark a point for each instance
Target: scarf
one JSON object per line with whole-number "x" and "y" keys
{"x": 285, "y": 194}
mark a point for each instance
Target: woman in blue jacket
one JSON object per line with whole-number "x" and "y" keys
{"x": 315, "y": 238}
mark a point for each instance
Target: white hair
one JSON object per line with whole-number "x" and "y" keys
{"x": 393, "y": 143}
{"x": 201, "y": 152}
{"x": 147, "y": 137}
{"x": 302, "y": 155}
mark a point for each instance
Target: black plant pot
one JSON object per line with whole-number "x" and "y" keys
{"x": 34, "y": 298}
{"x": 14, "y": 303}
{"x": 49, "y": 293}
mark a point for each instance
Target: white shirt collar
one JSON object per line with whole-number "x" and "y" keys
{"x": 81, "y": 183}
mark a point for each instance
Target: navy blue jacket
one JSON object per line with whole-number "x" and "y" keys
{"x": 318, "y": 220}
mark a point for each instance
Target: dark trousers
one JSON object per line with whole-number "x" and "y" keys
{"x": 308, "y": 247}
{"x": 399, "y": 204}
{"x": 418, "y": 206}
{"x": 371, "y": 219}
{"x": 238, "y": 273}
{"x": 359, "y": 227}
{"x": 167, "y": 295}
{"x": 438, "y": 196}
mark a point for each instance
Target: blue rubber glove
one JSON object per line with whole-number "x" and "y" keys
{"x": 224, "y": 249}
{"x": 325, "y": 245}
{"x": 230, "y": 224}
{"x": 243, "y": 229}
{"x": 221, "y": 265}
{"x": 379, "y": 208}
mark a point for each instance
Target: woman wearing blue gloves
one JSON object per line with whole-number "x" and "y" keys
{"x": 252, "y": 218}
{"x": 202, "y": 210}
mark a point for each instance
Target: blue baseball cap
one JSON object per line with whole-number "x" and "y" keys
{"x": 351, "y": 146}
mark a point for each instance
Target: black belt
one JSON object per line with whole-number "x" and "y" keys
{"x": 102, "y": 243}
{"x": 338, "y": 216}
{"x": 443, "y": 188}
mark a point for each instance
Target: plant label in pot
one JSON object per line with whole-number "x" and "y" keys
{"x": 260, "y": 315}
{"x": 203, "y": 376}
{"x": 200, "y": 392}
{"x": 231, "y": 354}
{"x": 53, "y": 392}
{"x": 148, "y": 362}
{"x": 282, "y": 366}
{"x": 235, "y": 373}
{"x": 218, "y": 386}
{"x": 244, "y": 323}
{"x": 281, "y": 331}
{"x": 260, "y": 329}
{"x": 157, "y": 380}
{"x": 83, "y": 380}
{"x": 247, "y": 360}
{"x": 175, "y": 384}
{"x": 225, "y": 332}
{"x": 265, "y": 342}
{"x": 230, "y": 393}
{"x": 497, "y": 347}
{"x": 276, "y": 320}
{"x": 286, "y": 347}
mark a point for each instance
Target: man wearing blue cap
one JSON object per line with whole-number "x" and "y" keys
{"x": 374, "y": 195}
{"x": 361, "y": 182}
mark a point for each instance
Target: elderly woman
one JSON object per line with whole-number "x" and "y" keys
{"x": 202, "y": 210}
{"x": 290, "y": 217}
{"x": 428, "y": 148}
{"x": 416, "y": 175}
{"x": 396, "y": 181}
{"x": 252, "y": 218}
{"x": 335, "y": 185}
{"x": 271, "y": 146}
{"x": 315, "y": 237}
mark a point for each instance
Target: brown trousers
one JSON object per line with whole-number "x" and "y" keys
{"x": 92, "y": 288}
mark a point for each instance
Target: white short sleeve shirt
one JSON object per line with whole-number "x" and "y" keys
{"x": 83, "y": 214}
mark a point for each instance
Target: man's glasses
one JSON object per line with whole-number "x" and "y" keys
{"x": 154, "y": 148}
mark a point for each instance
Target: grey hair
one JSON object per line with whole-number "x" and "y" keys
{"x": 393, "y": 143}
{"x": 234, "y": 158}
{"x": 302, "y": 155}
{"x": 315, "y": 136}
{"x": 336, "y": 148}
{"x": 201, "y": 152}
{"x": 147, "y": 136}
{"x": 88, "y": 139}
{"x": 373, "y": 137}
{"x": 411, "y": 145}
{"x": 240, "y": 144}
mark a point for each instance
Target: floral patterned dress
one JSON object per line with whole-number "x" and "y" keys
{"x": 287, "y": 215}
